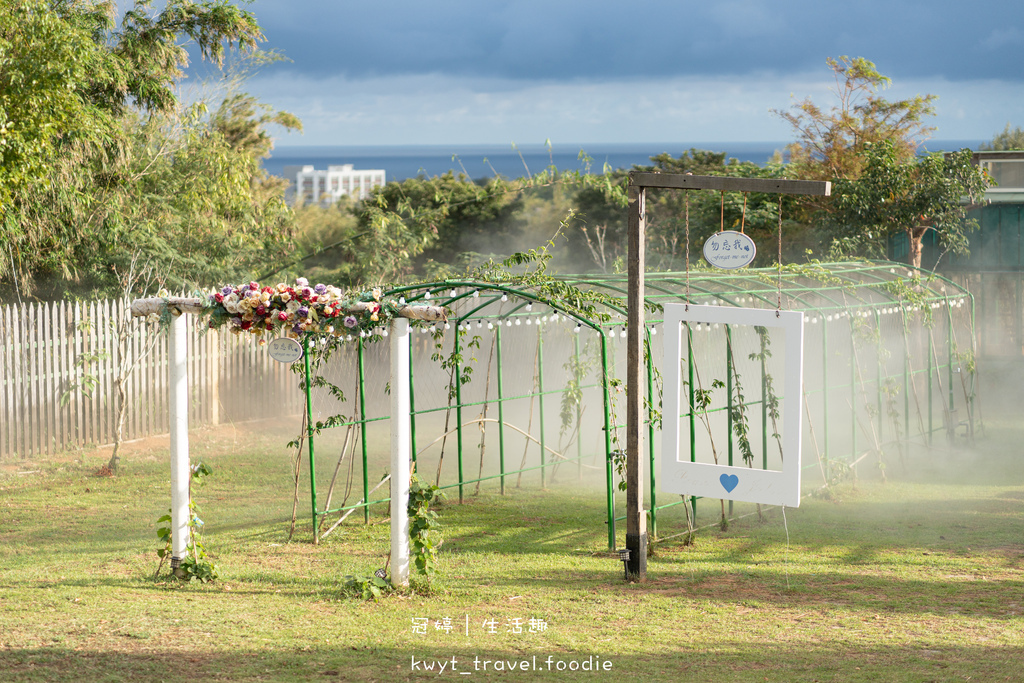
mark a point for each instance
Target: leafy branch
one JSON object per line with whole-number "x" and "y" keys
{"x": 196, "y": 565}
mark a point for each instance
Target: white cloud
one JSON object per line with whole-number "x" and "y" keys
{"x": 438, "y": 109}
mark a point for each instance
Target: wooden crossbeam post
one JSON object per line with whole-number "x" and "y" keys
{"x": 636, "y": 519}
{"x": 636, "y": 516}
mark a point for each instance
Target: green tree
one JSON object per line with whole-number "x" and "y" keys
{"x": 913, "y": 196}
{"x": 90, "y": 124}
{"x": 831, "y": 144}
{"x": 408, "y": 224}
{"x": 1007, "y": 140}
{"x": 673, "y": 215}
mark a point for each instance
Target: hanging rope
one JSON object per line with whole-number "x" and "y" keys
{"x": 686, "y": 195}
{"x": 778, "y": 281}
{"x": 743, "y": 217}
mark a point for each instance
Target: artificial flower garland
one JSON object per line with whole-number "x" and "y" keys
{"x": 294, "y": 310}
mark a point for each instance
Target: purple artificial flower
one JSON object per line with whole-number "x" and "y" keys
{"x": 227, "y": 289}
{"x": 303, "y": 312}
{"x": 297, "y": 327}
{"x": 320, "y": 288}
{"x": 350, "y": 321}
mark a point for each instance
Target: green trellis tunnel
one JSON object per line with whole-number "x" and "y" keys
{"x": 514, "y": 390}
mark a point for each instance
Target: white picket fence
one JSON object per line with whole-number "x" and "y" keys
{"x": 60, "y": 364}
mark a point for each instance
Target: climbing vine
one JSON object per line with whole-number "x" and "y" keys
{"x": 196, "y": 565}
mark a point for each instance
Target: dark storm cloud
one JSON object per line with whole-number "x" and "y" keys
{"x": 601, "y": 39}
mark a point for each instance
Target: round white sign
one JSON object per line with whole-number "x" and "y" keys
{"x": 285, "y": 350}
{"x": 729, "y": 249}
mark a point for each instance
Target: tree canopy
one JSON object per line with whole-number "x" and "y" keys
{"x": 894, "y": 195}
{"x": 101, "y": 161}
{"x": 832, "y": 144}
{"x": 1009, "y": 139}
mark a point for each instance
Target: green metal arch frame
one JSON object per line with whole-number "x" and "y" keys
{"x": 851, "y": 286}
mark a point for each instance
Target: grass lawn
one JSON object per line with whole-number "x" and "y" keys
{"x": 919, "y": 578}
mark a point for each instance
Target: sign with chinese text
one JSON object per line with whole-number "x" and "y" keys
{"x": 285, "y": 350}
{"x": 729, "y": 249}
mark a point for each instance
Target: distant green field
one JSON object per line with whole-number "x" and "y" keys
{"x": 920, "y": 578}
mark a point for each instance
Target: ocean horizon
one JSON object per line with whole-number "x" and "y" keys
{"x": 400, "y": 162}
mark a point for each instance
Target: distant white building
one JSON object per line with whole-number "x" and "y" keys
{"x": 327, "y": 187}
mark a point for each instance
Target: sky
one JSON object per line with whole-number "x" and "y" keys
{"x": 446, "y": 72}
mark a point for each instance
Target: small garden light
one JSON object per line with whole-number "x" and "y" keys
{"x": 624, "y": 556}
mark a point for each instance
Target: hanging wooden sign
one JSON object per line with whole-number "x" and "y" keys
{"x": 729, "y": 249}
{"x": 686, "y": 421}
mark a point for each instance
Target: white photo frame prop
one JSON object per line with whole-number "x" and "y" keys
{"x": 708, "y": 480}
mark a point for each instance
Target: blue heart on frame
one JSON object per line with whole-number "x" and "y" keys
{"x": 729, "y": 482}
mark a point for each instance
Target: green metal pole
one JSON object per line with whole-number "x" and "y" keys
{"x": 824, "y": 388}
{"x": 949, "y": 349}
{"x": 906, "y": 376}
{"x": 501, "y": 409}
{"x": 974, "y": 355}
{"x": 878, "y": 374}
{"x": 930, "y": 372}
{"x": 579, "y": 416}
{"x": 362, "y": 433}
{"x": 309, "y": 439}
{"x": 609, "y": 479}
{"x": 412, "y": 408}
{"x": 692, "y": 416}
{"x": 728, "y": 396}
{"x": 650, "y": 437}
{"x": 458, "y": 404}
{"x": 540, "y": 402}
{"x": 764, "y": 407}
{"x": 853, "y": 394}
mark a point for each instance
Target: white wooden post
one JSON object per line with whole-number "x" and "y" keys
{"x": 401, "y": 448}
{"x": 178, "y": 402}
{"x": 401, "y": 428}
